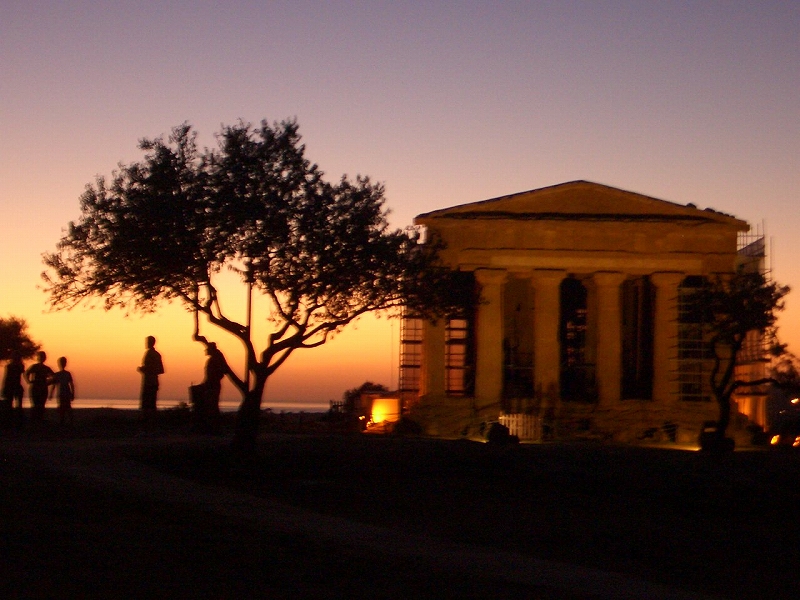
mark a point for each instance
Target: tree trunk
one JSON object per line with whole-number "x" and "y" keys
{"x": 722, "y": 391}
{"x": 716, "y": 441}
{"x": 724, "y": 415}
{"x": 248, "y": 418}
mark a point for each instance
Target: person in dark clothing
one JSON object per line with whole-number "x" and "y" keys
{"x": 12, "y": 387}
{"x": 152, "y": 366}
{"x": 39, "y": 377}
{"x": 216, "y": 369}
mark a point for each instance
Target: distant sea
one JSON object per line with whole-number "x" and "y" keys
{"x": 226, "y": 406}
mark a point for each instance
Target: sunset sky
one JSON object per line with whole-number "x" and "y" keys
{"x": 444, "y": 102}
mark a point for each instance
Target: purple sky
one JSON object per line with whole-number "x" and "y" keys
{"x": 685, "y": 101}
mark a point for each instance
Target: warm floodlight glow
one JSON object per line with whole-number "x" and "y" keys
{"x": 385, "y": 410}
{"x": 795, "y": 400}
{"x": 776, "y": 439}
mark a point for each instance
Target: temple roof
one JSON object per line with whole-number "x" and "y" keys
{"x": 581, "y": 201}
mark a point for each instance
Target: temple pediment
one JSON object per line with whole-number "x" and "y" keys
{"x": 582, "y": 201}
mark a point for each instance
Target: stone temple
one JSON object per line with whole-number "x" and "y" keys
{"x": 580, "y": 328}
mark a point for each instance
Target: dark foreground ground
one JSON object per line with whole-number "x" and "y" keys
{"x": 107, "y": 511}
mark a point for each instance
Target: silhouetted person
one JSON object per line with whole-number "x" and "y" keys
{"x": 216, "y": 369}
{"x": 12, "y": 387}
{"x": 151, "y": 368}
{"x": 39, "y": 377}
{"x": 65, "y": 387}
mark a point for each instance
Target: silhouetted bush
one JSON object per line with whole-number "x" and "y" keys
{"x": 500, "y": 434}
{"x": 342, "y": 422}
{"x": 407, "y": 426}
{"x": 713, "y": 440}
{"x": 759, "y": 436}
{"x": 177, "y": 415}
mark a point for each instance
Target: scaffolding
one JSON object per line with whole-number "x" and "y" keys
{"x": 754, "y": 362}
{"x": 410, "y": 356}
{"x": 694, "y": 360}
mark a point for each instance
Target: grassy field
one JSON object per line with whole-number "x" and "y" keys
{"x": 719, "y": 525}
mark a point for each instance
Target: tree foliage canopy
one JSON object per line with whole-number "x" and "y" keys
{"x": 323, "y": 253}
{"x": 733, "y": 307}
{"x": 786, "y": 372}
{"x": 14, "y": 338}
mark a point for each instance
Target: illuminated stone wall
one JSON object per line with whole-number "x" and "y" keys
{"x": 521, "y": 248}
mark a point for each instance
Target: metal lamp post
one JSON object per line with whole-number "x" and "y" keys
{"x": 248, "y": 268}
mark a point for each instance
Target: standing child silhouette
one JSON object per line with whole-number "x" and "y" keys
{"x": 63, "y": 383}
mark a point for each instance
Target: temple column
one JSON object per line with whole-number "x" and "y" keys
{"x": 609, "y": 337}
{"x": 432, "y": 378}
{"x": 665, "y": 342}
{"x": 546, "y": 318}
{"x": 489, "y": 336}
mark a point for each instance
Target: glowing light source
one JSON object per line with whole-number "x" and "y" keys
{"x": 795, "y": 400}
{"x": 385, "y": 410}
{"x": 776, "y": 439}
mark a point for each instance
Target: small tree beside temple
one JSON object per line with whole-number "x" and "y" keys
{"x": 733, "y": 307}
{"x": 321, "y": 253}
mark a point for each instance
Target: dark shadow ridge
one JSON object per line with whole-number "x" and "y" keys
{"x": 714, "y": 524}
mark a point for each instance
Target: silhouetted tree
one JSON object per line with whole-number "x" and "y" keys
{"x": 786, "y": 373}
{"x": 733, "y": 307}
{"x": 14, "y": 338}
{"x": 367, "y": 386}
{"x": 322, "y": 253}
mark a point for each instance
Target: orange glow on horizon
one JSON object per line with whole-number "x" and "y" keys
{"x": 104, "y": 348}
